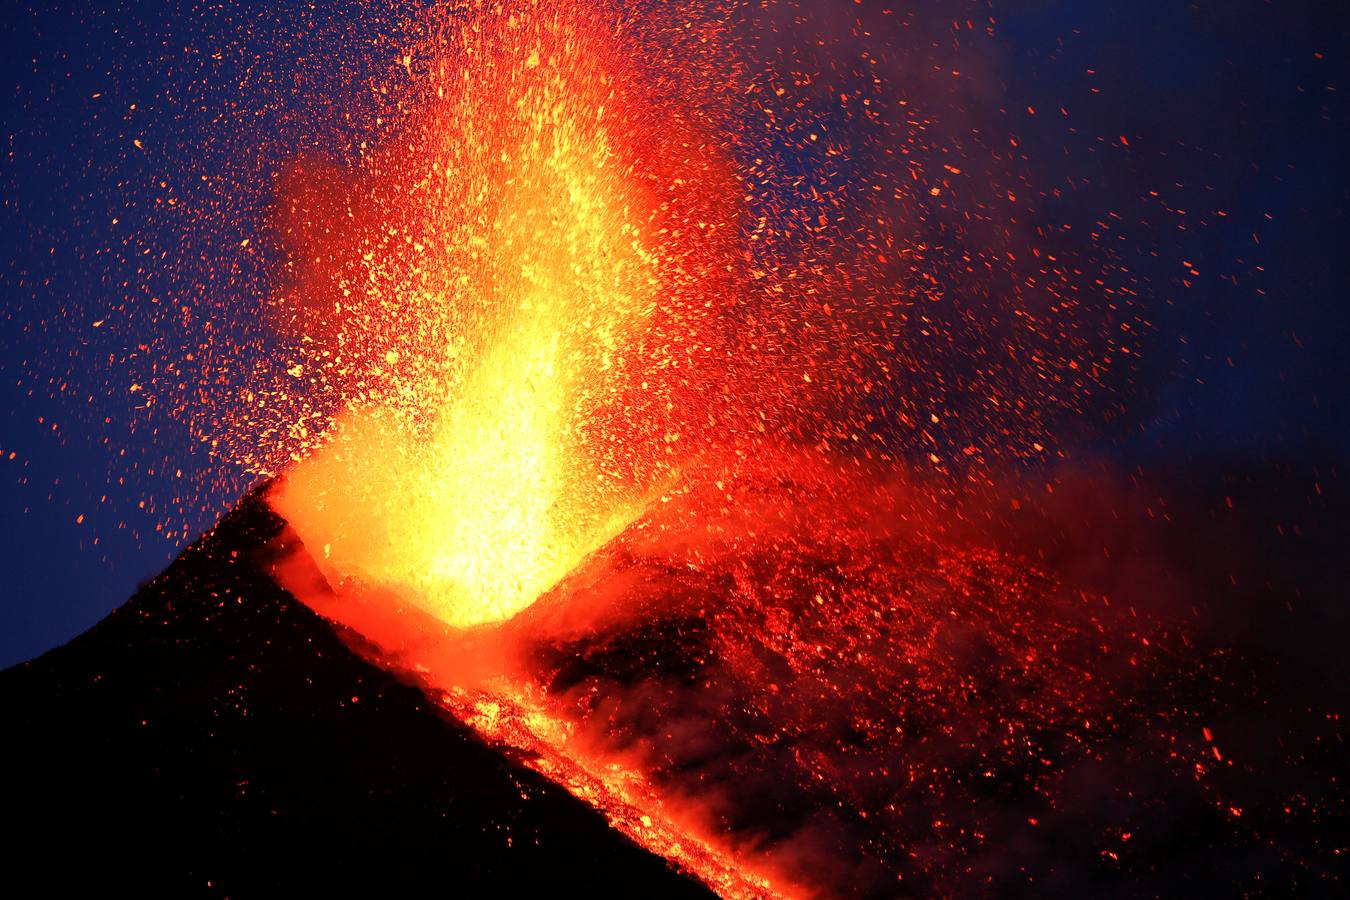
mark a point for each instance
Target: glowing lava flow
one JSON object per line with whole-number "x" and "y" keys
{"x": 511, "y": 719}
{"x": 796, "y": 677}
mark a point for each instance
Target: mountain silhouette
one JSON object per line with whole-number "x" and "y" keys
{"x": 213, "y": 736}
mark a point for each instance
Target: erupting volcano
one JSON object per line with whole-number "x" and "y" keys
{"x": 689, "y": 419}
{"x": 576, "y": 475}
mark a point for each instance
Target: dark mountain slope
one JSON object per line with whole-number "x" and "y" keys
{"x": 214, "y": 736}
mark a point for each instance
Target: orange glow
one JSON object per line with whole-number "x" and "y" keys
{"x": 529, "y": 270}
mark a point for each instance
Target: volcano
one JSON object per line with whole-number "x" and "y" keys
{"x": 215, "y": 737}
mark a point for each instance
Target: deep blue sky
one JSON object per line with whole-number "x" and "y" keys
{"x": 1227, "y": 105}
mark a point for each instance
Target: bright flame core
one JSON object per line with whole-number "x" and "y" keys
{"x": 529, "y": 272}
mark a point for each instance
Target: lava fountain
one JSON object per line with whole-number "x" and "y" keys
{"x": 511, "y": 294}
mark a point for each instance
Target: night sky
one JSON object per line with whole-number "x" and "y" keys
{"x": 1218, "y": 132}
